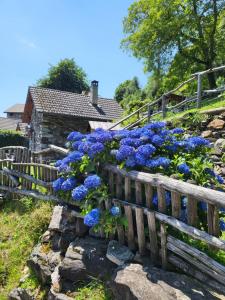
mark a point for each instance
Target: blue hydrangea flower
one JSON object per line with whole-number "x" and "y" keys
{"x": 75, "y": 156}
{"x": 92, "y": 218}
{"x": 163, "y": 162}
{"x": 95, "y": 149}
{"x": 115, "y": 211}
{"x": 69, "y": 184}
{"x": 183, "y": 169}
{"x": 56, "y": 185}
{"x": 146, "y": 150}
{"x": 219, "y": 179}
{"x": 104, "y": 137}
{"x": 121, "y": 134}
{"x": 140, "y": 159}
{"x": 64, "y": 168}
{"x": 156, "y": 125}
{"x": 196, "y": 141}
{"x": 79, "y": 193}
{"x": 177, "y": 131}
{"x": 75, "y": 136}
{"x": 135, "y": 142}
{"x": 58, "y": 163}
{"x": 130, "y": 162}
{"x": 76, "y": 144}
{"x": 124, "y": 152}
{"x": 157, "y": 140}
{"x": 222, "y": 225}
{"x": 92, "y": 182}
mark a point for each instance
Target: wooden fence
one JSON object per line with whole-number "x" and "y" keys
{"x": 155, "y": 231}
{"x": 159, "y": 232}
{"x": 160, "y": 105}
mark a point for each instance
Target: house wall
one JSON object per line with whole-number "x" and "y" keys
{"x": 53, "y": 129}
{"x": 36, "y": 130}
{"x": 14, "y": 115}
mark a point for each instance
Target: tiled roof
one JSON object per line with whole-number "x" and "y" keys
{"x": 16, "y": 108}
{"x": 79, "y": 105}
{"x": 8, "y": 123}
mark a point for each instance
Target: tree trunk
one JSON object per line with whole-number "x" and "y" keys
{"x": 211, "y": 80}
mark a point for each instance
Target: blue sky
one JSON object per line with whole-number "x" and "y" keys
{"x": 37, "y": 33}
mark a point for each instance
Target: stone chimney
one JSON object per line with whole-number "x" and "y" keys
{"x": 94, "y": 92}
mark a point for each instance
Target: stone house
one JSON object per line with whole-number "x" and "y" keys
{"x": 52, "y": 114}
{"x": 15, "y": 111}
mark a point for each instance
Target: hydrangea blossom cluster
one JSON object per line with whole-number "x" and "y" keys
{"x": 153, "y": 147}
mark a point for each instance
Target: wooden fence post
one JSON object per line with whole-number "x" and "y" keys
{"x": 164, "y": 106}
{"x": 153, "y": 236}
{"x": 163, "y": 245}
{"x": 199, "y": 91}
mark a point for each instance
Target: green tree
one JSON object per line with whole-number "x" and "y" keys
{"x": 127, "y": 88}
{"x": 65, "y": 76}
{"x": 159, "y": 29}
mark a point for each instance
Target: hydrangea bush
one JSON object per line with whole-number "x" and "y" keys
{"x": 153, "y": 148}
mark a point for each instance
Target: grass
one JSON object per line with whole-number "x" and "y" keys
{"x": 95, "y": 290}
{"x": 22, "y": 222}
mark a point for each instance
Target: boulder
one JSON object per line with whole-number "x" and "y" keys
{"x": 64, "y": 227}
{"x": 52, "y": 295}
{"x": 43, "y": 262}
{"x": 216, "y": 124}
{"x": 84, "y": 258}
{"x": 219, "y": 146}
{"x": 134, "y": 282}
{"x": 20, "y": 294}
{"x": 118, "y": 254}
{"x": 206, "y": 133}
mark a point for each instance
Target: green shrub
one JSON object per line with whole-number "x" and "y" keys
{"x": 12, "y": 138}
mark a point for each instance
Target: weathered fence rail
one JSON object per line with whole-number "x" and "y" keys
{"x": 151, "y": 231}
{"x": 160, "y": 105}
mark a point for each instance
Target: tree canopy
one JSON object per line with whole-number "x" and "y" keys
{"x": 65, "y": 76}
{"x": 160, "y": 31}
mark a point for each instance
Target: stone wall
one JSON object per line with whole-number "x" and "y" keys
{"x": 36, "y": 130}
{"x": 55, "y": 129}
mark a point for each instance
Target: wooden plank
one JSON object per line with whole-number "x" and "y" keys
{"x": 193, "y": 272}
{"x": 130, "y": 227}
{"x": 203, "y": 268}
{"x": 176, "y": 204}
{"x": 119, "y": 186}
{"x": 213, "y": 220}
{"x": 148, "y": 195}
{"x": 192, "y": 209}
{"x": 138, "y": 192}
{"x": 140, "y": 229}
{"x": 163, "y": 245}
{"x": 197, "y": 192}
{"x": 198, "y": 255}
{"x": 161, "y": 199}
{"x": 152, "y": 236}
{"x": 127, "y": 189}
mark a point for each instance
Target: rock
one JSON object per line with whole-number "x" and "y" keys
{"x": 20, "y": 294}
{"x": 133, "y": 282}
{"x": 216, "y": 124}
{"x": 56, "y": 280}
{"x": 46, "y": 237}
{"x": 118, "y": 254}
{"x": 85, "y": 258}
{"x": 43, "y": 262}
{"x": 219, "y": 146}
{"x": 206, "y": 133}
{"x": 216, "y": 134}
{"x": 58, "y": 296}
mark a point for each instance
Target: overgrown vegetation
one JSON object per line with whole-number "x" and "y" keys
{"x": 12, "y": 138}
{"x": 22, "y": 222}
